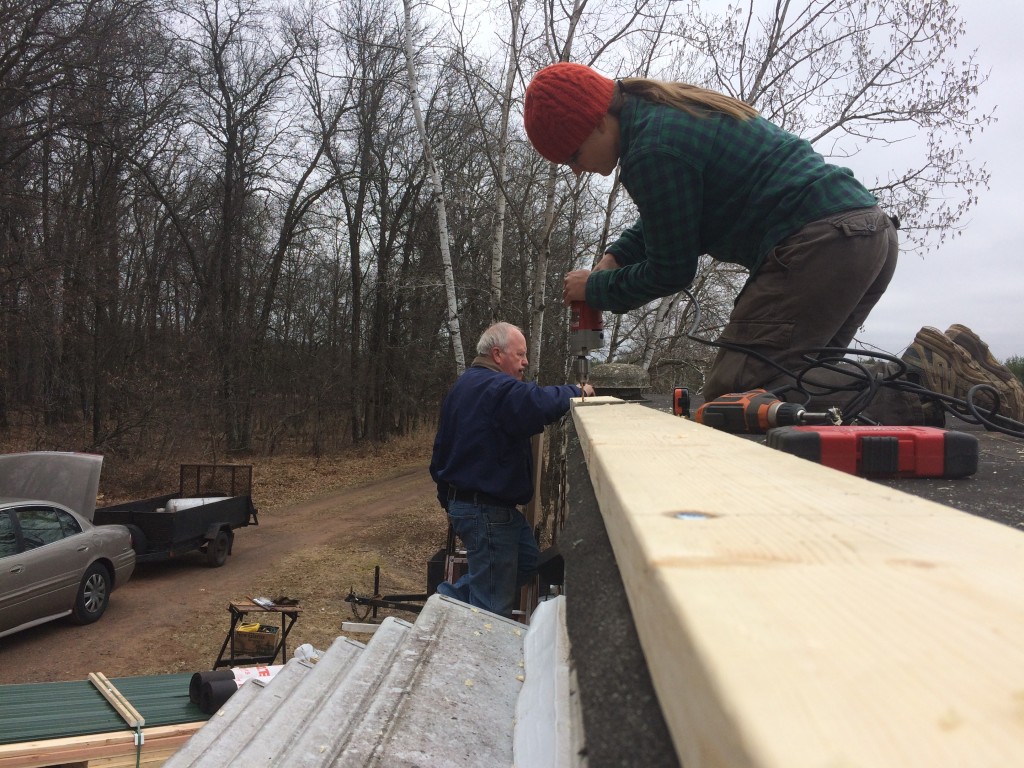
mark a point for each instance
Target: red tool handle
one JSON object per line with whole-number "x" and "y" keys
{"x": 583, "y": 317}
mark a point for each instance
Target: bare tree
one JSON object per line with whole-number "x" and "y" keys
{"x": 438, "y": 196}
{"x": 265, "y": 171}
{"x": 500, "y": 204}
{"x": 73, "y": 108}
{"x": 856, "y": 78}
{"x": 222, "y": 208}
{"x": 369, "y": 57}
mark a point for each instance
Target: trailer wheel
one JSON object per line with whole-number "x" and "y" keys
{"x": 93, "y": 595}
{"x": 139, "y": 542}
{"x": 217, "y": 549}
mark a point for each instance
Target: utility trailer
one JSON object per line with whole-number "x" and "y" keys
{"x": 212, "y": 501}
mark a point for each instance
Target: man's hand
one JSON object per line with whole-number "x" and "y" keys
{"x": 588, "y": 391}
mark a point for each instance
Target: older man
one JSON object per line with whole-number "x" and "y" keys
{"x": 483, "y": 466}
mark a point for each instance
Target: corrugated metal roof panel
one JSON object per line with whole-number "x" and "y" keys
{"x": 54, "y": 710}
{"x": 440, "y": 692}
{"x": 219, "y": 741}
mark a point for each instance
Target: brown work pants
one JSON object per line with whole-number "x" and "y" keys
{"x": 814, "y": 289}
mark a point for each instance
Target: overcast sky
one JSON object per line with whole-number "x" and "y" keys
{"x": 978, "y": 278}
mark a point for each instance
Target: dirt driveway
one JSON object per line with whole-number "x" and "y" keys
{"x": 173, "y": 617}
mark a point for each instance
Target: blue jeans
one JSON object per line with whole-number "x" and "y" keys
{"x": 501, "y": 555}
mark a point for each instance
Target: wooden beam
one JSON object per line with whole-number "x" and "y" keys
{"x": 117, "y": 700}
{"x": 75, "y": 749}
{"x": 793, "y": 615}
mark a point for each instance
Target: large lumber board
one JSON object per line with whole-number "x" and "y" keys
{"x": 159, "y": 742}
{"x": 793, "y": 615}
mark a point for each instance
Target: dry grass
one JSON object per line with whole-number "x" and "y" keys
{"x": 289, "y": 479}
{"x": 401, "y": 547}
{"x": 322, "y": 577}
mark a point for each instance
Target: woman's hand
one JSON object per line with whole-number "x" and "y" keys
{"x": 574, "y": 287}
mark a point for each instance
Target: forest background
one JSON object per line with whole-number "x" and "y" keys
{"x": 247, "y": 227}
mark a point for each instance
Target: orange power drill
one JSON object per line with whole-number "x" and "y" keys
{"x": 586, "y": 333}
{"x": 757, "y": 411}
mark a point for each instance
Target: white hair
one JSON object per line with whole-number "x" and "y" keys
{"x": 498, "y": 335}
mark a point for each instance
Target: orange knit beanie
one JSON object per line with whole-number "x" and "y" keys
{"x": 564, "y": 104}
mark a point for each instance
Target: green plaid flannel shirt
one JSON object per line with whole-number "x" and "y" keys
{"x": 729, "y": 188}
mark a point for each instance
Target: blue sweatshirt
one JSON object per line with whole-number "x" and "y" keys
{"x": 484, "y": 431}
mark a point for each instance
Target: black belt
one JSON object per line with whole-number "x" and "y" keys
{"x": 476, "y": 497}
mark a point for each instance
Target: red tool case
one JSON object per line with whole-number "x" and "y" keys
{"x": 882, "y": 451}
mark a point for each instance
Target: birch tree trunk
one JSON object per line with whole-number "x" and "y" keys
{"x": 438, "y": 194}
{"x": 497, "y": 249}
{"x": 540, "y": 275}
{"x": 602, "y": 246}
{"x": 665, "y": 308}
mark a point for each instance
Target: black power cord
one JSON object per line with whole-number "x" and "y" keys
{"x": 865, "y": 384}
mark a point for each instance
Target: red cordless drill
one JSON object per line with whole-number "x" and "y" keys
{"x": 586, "y": 333}
{"x": 757, "y": 411}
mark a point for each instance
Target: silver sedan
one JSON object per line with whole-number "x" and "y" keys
{"x": 55, "y": 563}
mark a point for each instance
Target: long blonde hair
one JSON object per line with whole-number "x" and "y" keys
{"x": 689, "y": 98}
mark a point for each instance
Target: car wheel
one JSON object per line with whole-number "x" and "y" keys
{"x": 93, "y": 595}
{"x": 217, "y": 550}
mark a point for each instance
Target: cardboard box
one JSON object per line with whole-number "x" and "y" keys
{"x": 258, "y": 642}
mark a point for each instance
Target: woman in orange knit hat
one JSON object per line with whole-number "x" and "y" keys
{"x": 710, "y": 176}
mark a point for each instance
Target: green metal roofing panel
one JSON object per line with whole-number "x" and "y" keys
{"x": 37, "y": 711}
